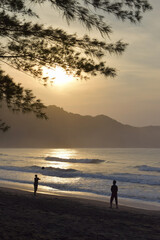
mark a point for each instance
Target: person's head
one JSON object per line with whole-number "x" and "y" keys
{"x": 114, "y": 182}
{"x": 35, "y": 175}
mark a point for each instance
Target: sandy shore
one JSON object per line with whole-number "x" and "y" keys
{"x": 46, "y": 217}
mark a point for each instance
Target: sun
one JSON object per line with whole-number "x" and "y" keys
{"x": 58, "y": 76}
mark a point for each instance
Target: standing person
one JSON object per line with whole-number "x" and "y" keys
{"x": 114, "y": 191}
{"x": 36, "y": 179}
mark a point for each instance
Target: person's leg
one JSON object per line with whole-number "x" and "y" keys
{"x": 111, "y": 200}
{"x": 35, "y": 189}
{"x": 116, "y": 200}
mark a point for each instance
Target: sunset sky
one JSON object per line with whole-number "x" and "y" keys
{"x": 133, "y": 97}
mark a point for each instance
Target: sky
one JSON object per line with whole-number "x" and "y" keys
{"x": 133, "y": 97}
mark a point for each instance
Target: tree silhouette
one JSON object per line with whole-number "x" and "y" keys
{"x": 28, "y": 46}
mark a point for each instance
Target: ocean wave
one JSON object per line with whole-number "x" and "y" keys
{"x": 73, "y": 173}
{"x": 34, "y": 157}
{"x": 104, "y": 192}
{"x": 16, "y": 180}
{"x": 47, "y": 171}
{"x": 148, "y": 168}
{"x": 2, "y": 154}
{"x": 72, "y": 160}
{"x": 137, "y": 178}
{"x": 139, "y": 195}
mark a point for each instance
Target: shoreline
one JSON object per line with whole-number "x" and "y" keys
{"x": 77, "y": 199}
{"x": 48, "y": 217}
{"x": 123, "y": 202}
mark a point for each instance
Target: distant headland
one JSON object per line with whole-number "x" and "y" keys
{"x": 67, "y": 130}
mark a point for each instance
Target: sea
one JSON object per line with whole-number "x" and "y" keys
{"x": 85, "y": 172}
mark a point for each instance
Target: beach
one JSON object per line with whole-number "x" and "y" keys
{"x": 24, "y": 216}
{"x": 85, "y": 172}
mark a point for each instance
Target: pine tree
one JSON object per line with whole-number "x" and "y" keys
{"x": 28, "y": 46}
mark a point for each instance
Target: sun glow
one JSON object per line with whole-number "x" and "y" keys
{"x": 58, "y": 76}
{"x": 60, "y": 154}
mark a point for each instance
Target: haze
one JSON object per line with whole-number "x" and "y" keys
{"x": 133, "y": 96}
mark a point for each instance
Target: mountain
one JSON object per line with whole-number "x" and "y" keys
{"x": 64, "y": 129}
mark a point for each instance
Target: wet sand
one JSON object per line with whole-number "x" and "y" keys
{"x": 52, "y": 217}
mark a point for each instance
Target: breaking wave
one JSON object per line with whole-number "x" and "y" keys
{"x": 148, "y": 168}
{"x": 2, "y": 154}
{"x": 73, "y": 173}
{"x": 47, "y": 171}
{"x": 34, "y": 157}
{"x": 72, "y": 160}
{"x": 84, "y": 189}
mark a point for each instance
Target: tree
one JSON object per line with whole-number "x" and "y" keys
{"x": 18, "y": 99}
{"x": 28, "y": 46}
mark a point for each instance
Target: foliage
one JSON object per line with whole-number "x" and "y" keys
{"x": 29, "y": 46}
{"x": 18, "y": 99}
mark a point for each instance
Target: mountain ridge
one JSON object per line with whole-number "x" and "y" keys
{"x": 65, "y": 129}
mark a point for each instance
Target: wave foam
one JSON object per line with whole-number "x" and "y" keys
{"x": 84, "y": 189}
{"x": 2, "y": 154}
{"x": 148, "y": 168}
{"x": 72, "y": 160}
{"x": 73, "y": 173}
{"x": 47, "y": 171}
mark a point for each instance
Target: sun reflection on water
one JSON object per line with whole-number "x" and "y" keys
{"x": 61, "y": 154}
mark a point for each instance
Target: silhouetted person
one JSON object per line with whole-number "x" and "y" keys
{"x": 36, "y": 179}
{"x": 114, "y": 191}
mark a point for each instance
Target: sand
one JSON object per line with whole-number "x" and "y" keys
{"x": 25, "y": 217}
